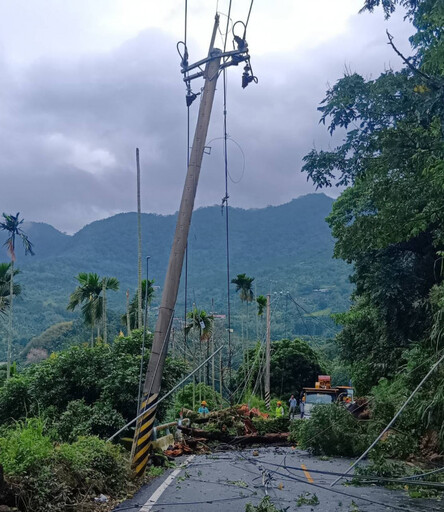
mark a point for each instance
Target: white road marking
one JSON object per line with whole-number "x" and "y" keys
{"x": 162, "y": 488}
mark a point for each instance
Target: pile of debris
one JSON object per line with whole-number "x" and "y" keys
{"x": 233, "y": 426}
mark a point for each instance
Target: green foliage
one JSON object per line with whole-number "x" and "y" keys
{"x": 424, "y": 414}
{"x": 48, "y": 478}
{"x": 331, "y": 430}
{"x": 24, "y": 446}
{"x": 184, "y": 397}
{"x": 89, "y": 295}
{"x": 297, "y": 254}
{"x": 15, "y": 398}
{"x": 200, "y": 322}
{"x": 5, "y": 287}
{"x": 295, "y": 430}
{"x": 254, "y": 401}
{"x": 265, "y": 505}
{"x": 85, "y": 390}
{"x": 293, "y": 365}
{"x": 93, "y": 460}
{"x": 53, "y": 339}
{"x": 244, "y": 285}
{"x": 134, "y": 304}
{"x": 388, "y": 223}
{"x": 261, "y": 304}
{"x": 271, "y": 425}
{"x": 79, "y": 419}
{"x": 11, "y": 225}
{"x": 307, "y": 498}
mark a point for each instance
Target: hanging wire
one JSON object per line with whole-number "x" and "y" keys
{"x": 248, "y": 17}
{"x": 243, "y": 158}
{"x": 225, "y": 203}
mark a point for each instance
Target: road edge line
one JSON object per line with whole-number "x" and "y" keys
{"x": 162, "y": 488}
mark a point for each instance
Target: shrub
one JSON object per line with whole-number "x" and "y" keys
{"x": 104, "y": 378}
{"x": 15, "y": 399}
{"x": 184, "y": 397}
{"x": 24, "y": 446}
{"x": 331, "y": 430}
{"x": 95, "y": 463}
{"x": 80, "y": 419}
{"x": 271, "y": 425}
{"x": 45, "y": 478}
{"x": 295, "y": 430}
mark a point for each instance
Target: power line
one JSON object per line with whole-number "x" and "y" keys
{"x": 225, "y": 202}
{"x": 248, "y": 17}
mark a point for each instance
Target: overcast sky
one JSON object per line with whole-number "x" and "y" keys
{"x": 85, "y": 82}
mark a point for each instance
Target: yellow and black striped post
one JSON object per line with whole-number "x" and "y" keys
{"x": 144, "y": 433}
{"x": 151, "y": 388}
{"x": 268, "y": 357}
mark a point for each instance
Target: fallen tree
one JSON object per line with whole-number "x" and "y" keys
{"x": 223, "y": 437}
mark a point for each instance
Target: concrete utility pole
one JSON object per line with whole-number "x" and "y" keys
{"x": 151, "y": 388}
{"x": 139, "y": 248}
{"x": 128, "y": 323}
{"x": 153, "y": 378}
{"x": 268, "y": 357}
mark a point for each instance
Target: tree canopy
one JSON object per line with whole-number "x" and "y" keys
{"x": 388, "y": 221}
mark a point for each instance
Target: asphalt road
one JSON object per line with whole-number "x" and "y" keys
{"x": 227, "y": 481}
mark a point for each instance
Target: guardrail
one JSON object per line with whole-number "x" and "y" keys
{"x": 167, "y": 426}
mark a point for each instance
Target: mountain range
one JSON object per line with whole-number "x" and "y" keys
{"x": 286, "y": 248}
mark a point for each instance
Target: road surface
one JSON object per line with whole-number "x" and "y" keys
{"x": 294, "y": 480}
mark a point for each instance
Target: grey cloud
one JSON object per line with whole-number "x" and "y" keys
{"x": 69, "y": 128}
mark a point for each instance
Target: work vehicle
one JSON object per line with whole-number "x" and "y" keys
{"x": 323, "y": 394}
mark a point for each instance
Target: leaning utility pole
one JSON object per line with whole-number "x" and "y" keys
{"x": 151, "y": 388}
{"x": 268, "y": 357}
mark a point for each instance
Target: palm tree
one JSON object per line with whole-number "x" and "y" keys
{"x": 133, "y": 306}
{"x": 11, "y": 225}
{"x": 244, "y": 285}
{"x": 261, "y": 304}
{"x": 202, "y": 323}
{"x": 261, "y": 301}
{"x": 89, "y": 295}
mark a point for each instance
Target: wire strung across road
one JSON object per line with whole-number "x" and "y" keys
{"x": 292, "y": 477}
{"x": 177, "y": 386}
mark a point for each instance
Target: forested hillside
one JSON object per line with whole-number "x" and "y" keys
{"x": 388, "y": 223}
{"x": 286, "y": 248}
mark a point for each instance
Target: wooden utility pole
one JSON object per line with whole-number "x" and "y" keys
{"x": 139, "y": 248}
{"x": 268, "y": 357}
{"x": 153, "y": 378}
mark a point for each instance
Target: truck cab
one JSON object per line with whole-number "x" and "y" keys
{"x": 323, "y": 394}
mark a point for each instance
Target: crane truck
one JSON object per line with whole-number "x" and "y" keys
{"x": 323, "y": 393}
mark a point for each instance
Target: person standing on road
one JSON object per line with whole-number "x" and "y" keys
{"x": 302, "y": 407}
{"x": 279, "y": 410}
{"x": 203, "y": 409}
{"x": 293, "y": 404}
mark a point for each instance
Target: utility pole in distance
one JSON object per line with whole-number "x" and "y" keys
{"x": 151, "y": 388}
{"x": 268, "y": 357}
